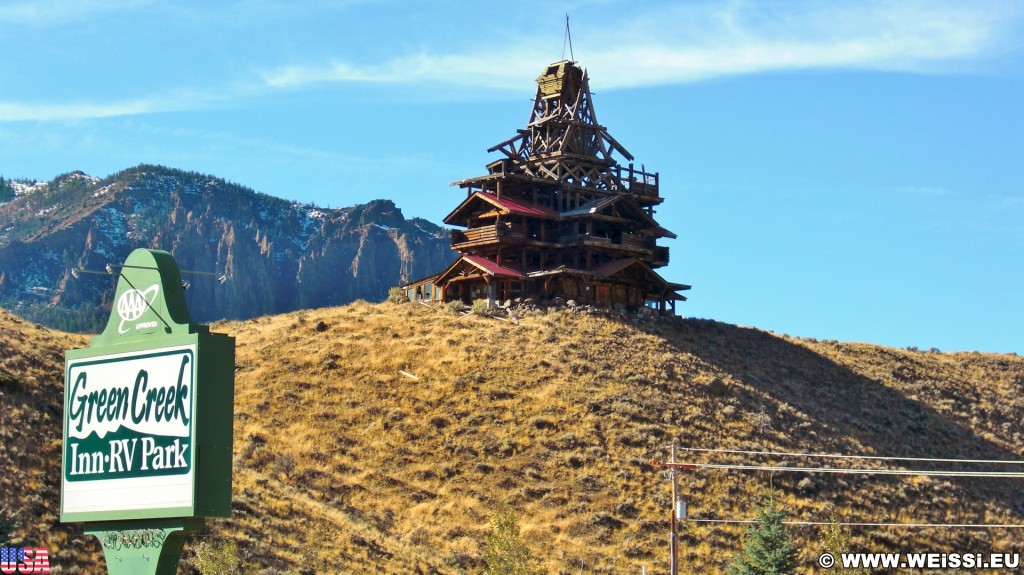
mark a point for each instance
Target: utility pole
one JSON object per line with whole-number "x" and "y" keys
{"x": 674, "y": 535}
{"x": 677, "y": 508}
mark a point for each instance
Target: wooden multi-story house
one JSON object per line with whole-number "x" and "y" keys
{"x": 557, "y": 215}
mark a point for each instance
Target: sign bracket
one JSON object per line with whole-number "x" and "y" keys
{"x": 143, "y": 547}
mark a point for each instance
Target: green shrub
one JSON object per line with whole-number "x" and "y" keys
{"x": 835, "y": 540}
{"x": 219, "y": 558}
{"x": 397, "y": 295}
{"x": 505, "y": 553}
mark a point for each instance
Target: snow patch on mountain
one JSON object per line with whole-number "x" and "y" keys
{"x": 24, "y": 188}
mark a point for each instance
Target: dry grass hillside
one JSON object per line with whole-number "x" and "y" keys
{"x": 343, "y": 464}
{"x": 31, "y": 407}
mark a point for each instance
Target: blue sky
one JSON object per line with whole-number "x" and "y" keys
{"x": 839, "y": 170}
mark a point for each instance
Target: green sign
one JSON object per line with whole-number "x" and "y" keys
{"x": 123, "y": 415}
{"x": 148, "y": 416}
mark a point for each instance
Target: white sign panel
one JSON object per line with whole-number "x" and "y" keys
{"x": 129, "y": 431}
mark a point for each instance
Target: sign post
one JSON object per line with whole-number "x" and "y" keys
{"x": 148, "y": 423}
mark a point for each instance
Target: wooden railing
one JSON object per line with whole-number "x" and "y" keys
{"x": 639, "y": 182}
{"x": 625, "y": 240}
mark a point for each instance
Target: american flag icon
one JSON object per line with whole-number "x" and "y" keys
{"x": 24, "y": 560}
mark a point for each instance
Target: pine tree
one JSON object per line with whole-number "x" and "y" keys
{"x": 505, "y": 553}
{"x": 767, "y": 548}
{"x": 6, "y": 191}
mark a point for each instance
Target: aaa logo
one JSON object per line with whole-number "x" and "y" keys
{"x": 133, "y": 303}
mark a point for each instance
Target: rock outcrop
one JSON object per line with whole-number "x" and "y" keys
{"x": 277, "y": 255}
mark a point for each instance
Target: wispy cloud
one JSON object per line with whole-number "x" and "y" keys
{"x": 767, "y": 37}
{"x": 166, "y": 102}
{"x": 697, "y": 42}
{"x": 654, "y": 46}
{"x": 479, "y": 70}
{"x": 20, "y": 112}
{"x": 178, "y": 100}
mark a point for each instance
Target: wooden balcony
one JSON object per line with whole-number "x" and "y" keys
{"x": 642, "y": 184}
{"x": 636, "y": 242}
{"x": 483, "y": 235}
{"x": 635, "y": 245}
{"x": 660, "y": 257}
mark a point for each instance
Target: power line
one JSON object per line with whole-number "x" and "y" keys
{"x": 875, "y": 524}
{"x": 849, "y": 471}
{"x": 865, "y": 457}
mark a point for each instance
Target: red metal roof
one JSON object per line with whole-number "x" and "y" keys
{"x": 519, "y": 207}
{"x": 493, "y": 268}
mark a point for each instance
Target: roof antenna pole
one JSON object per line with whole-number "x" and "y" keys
{"x": 567, "y": 40}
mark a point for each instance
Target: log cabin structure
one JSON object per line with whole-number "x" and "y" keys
{"x": 557, "y": 216}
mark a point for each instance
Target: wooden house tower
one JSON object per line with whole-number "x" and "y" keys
{"x": 557, "y": 215}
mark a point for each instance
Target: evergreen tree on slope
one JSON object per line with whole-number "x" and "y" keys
{"x": 767, "y": 547}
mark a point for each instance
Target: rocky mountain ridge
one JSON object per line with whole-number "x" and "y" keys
{"x": 276, "y": 255}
